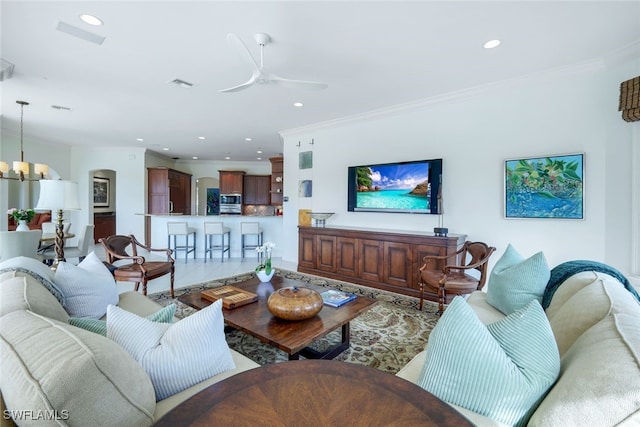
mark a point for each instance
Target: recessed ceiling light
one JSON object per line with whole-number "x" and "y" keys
{"x": 258, "y": 158}
{"x": 139, "y": 139}
{"x": 90, "y": 19}
{"x": 298, "y": 104}
{"x": 491, "y": 44}
{"x": 165, "y": 149}
{"x": 259, "y": 152}
{"x": 195, "y": 157}
{"x": 248, "y": 139}
{"x": 227, "y": 158}
{"x": 201, "y": 137}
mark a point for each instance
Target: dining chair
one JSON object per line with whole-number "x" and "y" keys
{"x": 81, "y": 251}
{"x": 50, "y": 227}
{"x": 20, "y": 243}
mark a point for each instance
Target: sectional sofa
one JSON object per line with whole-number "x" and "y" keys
{"x": 54, "y": 369}
{"x": 596, "y": 325}
{"x": 64, "y": 375}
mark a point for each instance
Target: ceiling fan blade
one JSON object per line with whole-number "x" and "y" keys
{"x": 243, "y": 86}
{"x": 298, "y": 84}
{"x": 243, "y": 50}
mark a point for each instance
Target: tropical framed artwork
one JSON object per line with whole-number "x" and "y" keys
{"x": 544, "y": 187}
{"x": 101, "y": 192}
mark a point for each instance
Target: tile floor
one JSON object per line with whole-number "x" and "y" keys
{"x": 197, "y": 271}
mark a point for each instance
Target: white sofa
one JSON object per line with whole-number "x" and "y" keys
{"x": 51, "y": 369}
{"x": 596, "y": 324}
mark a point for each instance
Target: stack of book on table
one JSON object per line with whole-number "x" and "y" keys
{"x": 335, "y": 298}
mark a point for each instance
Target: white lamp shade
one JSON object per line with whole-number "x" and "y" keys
{"x": 58, "y": 195}
{"x": 21, "y": 167}
{"x": 41, "y": 169}
{"x": 4, "y": 167}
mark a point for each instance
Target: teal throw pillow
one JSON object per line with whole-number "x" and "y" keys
{"x": 500, "y": 370}
{"x": 515, "y": 281}
{"x": 100, "y": 326}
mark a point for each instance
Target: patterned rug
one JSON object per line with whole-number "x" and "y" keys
{"x": 386, "y": 337}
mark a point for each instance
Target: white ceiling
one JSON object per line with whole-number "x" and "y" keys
{"x": 372, "y": 54}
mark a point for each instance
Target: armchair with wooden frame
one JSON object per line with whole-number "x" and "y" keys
{"x": 140, "y": 270}
{"x": 452, "y": 279}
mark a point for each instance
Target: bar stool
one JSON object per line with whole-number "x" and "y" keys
{"x": 216, "y": 229}
{"x": 181, "y": 229}
{"x": 250, "y": 229}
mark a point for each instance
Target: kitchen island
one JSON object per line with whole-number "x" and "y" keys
{"x": 271, "y": 226}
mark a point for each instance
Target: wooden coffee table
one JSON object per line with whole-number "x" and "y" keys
{"x": 313, "y": 393}
{"x": 292, "y": 337}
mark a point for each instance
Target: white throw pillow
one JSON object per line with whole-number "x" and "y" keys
{"x": 178, "y": 355}
{"x": 88, "y": 287}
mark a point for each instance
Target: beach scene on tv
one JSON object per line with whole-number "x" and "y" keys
{"x": 394, "y": 186}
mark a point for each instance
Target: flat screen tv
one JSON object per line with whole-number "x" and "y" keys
{"x": 405, "y": 187}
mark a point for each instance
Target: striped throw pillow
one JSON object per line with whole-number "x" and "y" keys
{"x": 100, "y": 326}
{"x": 515, "y": 281}
{"x": 177, "y": 355}
{"x": 501, "y": 370}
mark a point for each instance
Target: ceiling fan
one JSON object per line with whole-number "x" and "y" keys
{"x": 260, "y": 75}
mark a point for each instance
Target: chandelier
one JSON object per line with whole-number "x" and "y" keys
{"x": 20, "y": 167}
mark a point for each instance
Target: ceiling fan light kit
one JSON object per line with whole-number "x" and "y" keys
{"x": 259, "y": 74}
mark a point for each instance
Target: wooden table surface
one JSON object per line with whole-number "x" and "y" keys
{"x": 291, "y": 337}
{"x": 50, "y": 237}
{"x": 313, "y": 393}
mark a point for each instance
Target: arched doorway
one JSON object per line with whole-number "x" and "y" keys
{"x": 103, "y": 203}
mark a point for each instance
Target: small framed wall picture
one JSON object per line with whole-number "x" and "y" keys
{"x": 101, "y": 192}
{"x": 544, "y": 187}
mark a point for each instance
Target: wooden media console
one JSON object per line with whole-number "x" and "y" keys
{"x": 381, "y": 259}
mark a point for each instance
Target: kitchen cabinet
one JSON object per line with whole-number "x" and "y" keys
{"x": 277, "y": 180}
{"x": 168, "y": 192}
{"x": 104, "y": 225}
{"x": 255, "y": 189}
{"x": 382, "y": 259}
{"x": 231, "y": 182}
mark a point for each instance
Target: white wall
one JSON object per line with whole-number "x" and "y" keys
{"x": 562, "y": 112}
{"x": 128, "y": 165}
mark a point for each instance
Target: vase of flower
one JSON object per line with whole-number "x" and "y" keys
{"x": 263, "y": 276}
{"x": 264, "y": 270}
{"x": 23, "y": 216}
{"x": 22, "y": 225}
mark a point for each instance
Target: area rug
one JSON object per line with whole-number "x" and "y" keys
{"x": 386, "y": 337}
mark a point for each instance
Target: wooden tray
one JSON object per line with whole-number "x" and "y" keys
{"x": 232, "y": 297}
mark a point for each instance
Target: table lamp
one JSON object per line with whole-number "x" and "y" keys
{"x": 61, "y": 196}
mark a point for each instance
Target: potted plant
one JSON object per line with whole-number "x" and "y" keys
{"x": 264, "y": 271}
{"x": 23, "y": 217}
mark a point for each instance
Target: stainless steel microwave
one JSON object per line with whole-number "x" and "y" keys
{"x": 231, "y": 199}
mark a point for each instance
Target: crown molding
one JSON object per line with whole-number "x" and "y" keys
{"x": 620, "y": 55}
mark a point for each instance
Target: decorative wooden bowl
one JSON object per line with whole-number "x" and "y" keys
{"x": 294, "y": 303}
